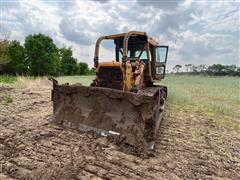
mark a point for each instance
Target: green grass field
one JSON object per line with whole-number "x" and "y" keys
{"x": 219, "y": 94}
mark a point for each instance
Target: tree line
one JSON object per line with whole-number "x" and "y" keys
{"x": 212, "y": 70}
{"x": 39, "y": 56}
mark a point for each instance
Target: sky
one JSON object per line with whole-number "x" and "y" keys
{"x": 197, "y": 32}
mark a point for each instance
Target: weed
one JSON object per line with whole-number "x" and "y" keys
{"x": 6, "y": 79}
{"x": 6, "y": 100}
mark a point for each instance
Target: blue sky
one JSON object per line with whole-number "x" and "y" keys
{"x": 197, "y": 32}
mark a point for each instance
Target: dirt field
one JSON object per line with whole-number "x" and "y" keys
{"x": 190, "y": 145}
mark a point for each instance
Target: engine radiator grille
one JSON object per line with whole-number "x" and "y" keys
{"x": 110, "y": 77}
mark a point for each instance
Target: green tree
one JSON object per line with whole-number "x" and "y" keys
{"x": 68, "y": 64}
{"x": 4, "y": 53}
{"x": 92, "y": 71}
{"x": 17, "y": 64}
{"x": 237, "y": 72}
{"x": 202, "y": 67}
{"x": 188, "y": 67}
{"x": 194, "y": 69}
{"x": 231, "y": 70}
{"x": 83, "y": 68}
{"x": 42, "y": 55}
{"x": 216, "y": 69}
{"x": 177, "y": 68}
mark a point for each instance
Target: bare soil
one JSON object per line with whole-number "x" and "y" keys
{"x": 190, "y": 145}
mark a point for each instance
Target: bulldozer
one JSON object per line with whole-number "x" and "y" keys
{"x": 124, "y": 100}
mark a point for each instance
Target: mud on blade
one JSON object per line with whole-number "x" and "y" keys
{"x": 135, "y": 117}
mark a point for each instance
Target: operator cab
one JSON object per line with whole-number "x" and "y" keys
{"x": 139, "y": 61}
{"x": 141, "y": 50}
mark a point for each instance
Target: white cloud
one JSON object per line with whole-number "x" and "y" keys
{"x": 197, "y": 32}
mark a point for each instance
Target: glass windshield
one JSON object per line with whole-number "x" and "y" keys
{"x": 137, "y": 51}
{"x": 120, "y": 55}
{"x": 142, "y": 54}
{"x": 134, "y": 51}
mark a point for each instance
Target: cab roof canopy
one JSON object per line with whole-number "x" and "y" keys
{"x": 122, "y": 40}
{"x": 131, "y": 37}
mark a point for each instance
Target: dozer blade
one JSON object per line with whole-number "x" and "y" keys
{"x": 134, "y": 117}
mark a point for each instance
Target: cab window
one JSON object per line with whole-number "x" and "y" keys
{"x": 161, "y": 54}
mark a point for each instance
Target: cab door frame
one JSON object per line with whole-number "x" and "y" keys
{"x": 159, "y": 63}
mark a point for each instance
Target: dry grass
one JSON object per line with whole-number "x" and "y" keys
{"x": 84, "y": 80}
{"x": 31, "y": 83}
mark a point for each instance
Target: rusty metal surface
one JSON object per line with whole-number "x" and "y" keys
{"x": 110, "y": 77}
{"x": 136, "y": 117}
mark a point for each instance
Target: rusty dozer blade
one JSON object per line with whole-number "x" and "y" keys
{"x": 135, "y": 117}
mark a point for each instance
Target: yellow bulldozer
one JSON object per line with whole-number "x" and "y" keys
{"x": 123, "y": 100}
